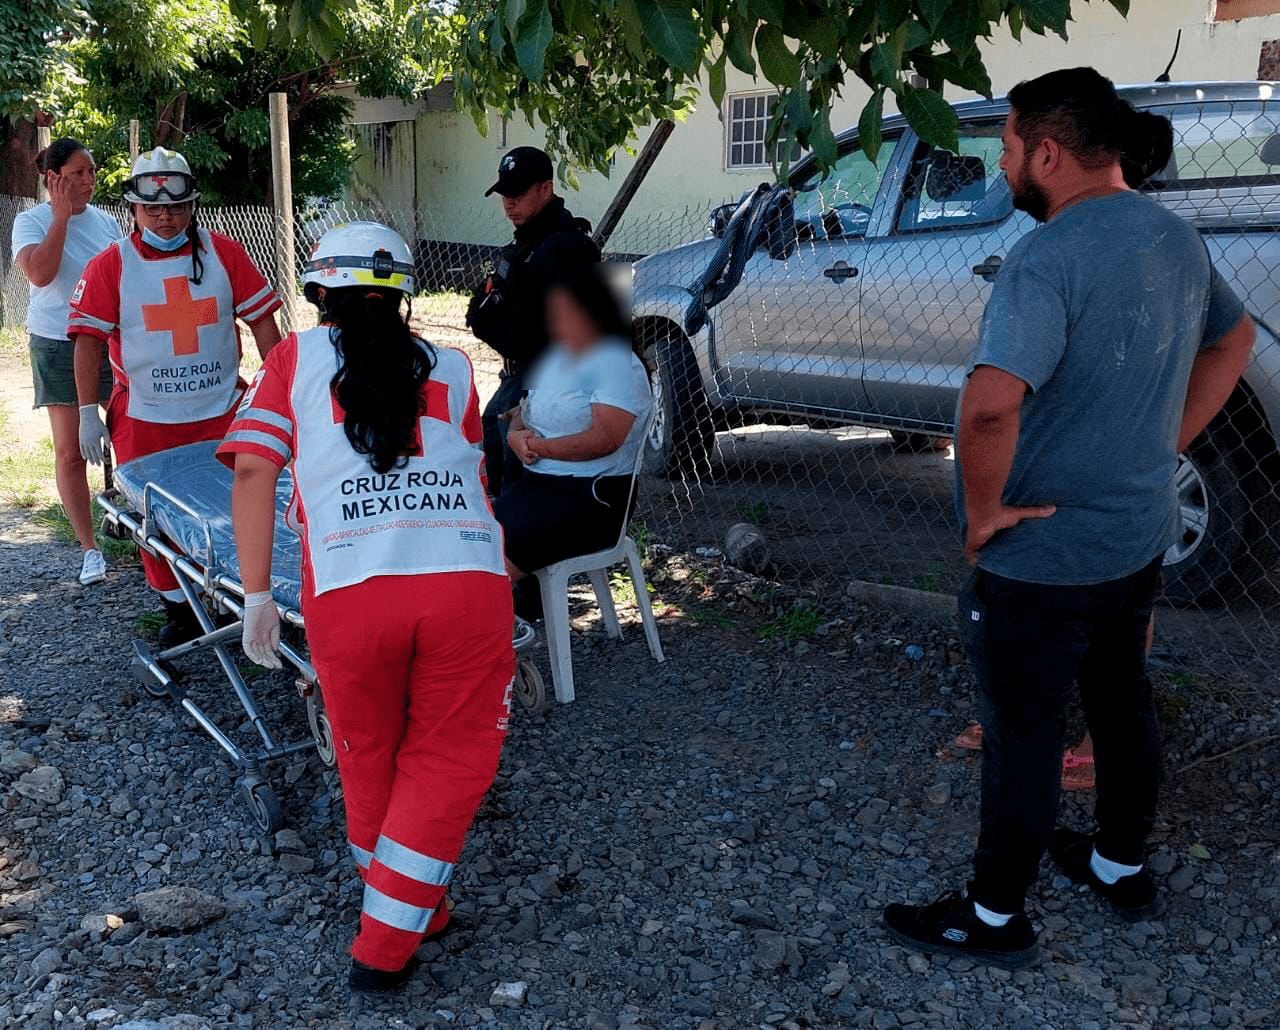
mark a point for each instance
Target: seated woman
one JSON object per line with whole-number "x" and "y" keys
{"x": 578, "y": 431}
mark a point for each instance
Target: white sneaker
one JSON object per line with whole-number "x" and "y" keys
{"x": 94, "y": 569}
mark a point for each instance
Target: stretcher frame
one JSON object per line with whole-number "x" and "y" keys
{"x": 204, "y": 588}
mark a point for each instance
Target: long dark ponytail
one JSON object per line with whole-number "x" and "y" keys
{"x": 382, "y": 368}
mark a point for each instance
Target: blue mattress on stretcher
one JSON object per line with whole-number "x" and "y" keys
{"x": 196, "y": 478}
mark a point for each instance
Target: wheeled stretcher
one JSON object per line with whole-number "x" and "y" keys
{"x": 176, "y": 505}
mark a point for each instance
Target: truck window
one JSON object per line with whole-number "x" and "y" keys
{"x": 946, "y": 190}
{"x": 1222, "y": 145}
{"x": 838, "y": 206}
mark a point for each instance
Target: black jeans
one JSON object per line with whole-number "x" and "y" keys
{"x": 500, "y": 463}
{"x": 1031, "y": 645}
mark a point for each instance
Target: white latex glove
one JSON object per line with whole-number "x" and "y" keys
{"x": 94, "y": 438}
{"x": 261, "y": 630}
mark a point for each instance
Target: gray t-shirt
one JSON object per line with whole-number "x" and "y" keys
{"x": 1101, "y": 313}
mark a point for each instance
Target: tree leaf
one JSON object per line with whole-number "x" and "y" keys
{"x": 512, "y": 13}
{"x": 632, "y": 30}
{"x": 737, "y": 44}
{"x": 891, "y": 13}
{"x": 534, "y": 38}
{"x": 1045, "y": 14}
{"x": 1122, "y": 6}
{"x": 961, "y": 24}
{"x": 716, "y": 80}
{"x": 669, "y": 28}
{"x": 933, "y": 10}
{"x": 869, "y": 136}
{"x": 932, "y": 117}
{"x": 779, "y": 64}
{"x": 769, "y": 10}
{"x": 822, "y": 141}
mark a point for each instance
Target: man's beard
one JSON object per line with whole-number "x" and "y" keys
{"x": 1028, "y": 196}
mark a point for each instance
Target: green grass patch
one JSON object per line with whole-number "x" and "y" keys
{"x": 117, "y": 552}
{"x": 798, "y": 623}
{"x": 14, "y": 346}
{"x": 148, "y": 624}
{"x": 26, "y": 476}
{"x": 754, "y": 512}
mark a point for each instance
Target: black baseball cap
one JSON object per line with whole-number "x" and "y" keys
{"x": 518, "y": 170}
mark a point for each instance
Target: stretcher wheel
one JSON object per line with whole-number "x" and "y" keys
{"x": 322, "y": 732}
{"x": 264, "y": 805}
{"x": 151, "y": 683}
{"x": 529, "y": 687}
{"x": 112, "y": 529}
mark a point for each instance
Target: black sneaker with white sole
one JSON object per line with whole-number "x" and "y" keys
{"x": 950, "y": 926}
{"x": 1134, "y": 898}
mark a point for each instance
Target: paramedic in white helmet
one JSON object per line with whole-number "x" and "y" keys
{"x": 164, "y": 302}
{"x": 405, "y": 597}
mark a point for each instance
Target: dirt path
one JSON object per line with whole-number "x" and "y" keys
{"x": 24, "y": 427}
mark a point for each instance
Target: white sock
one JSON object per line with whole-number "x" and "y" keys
{"x": 1108, "y": 871}
{"x": 989, "y": 917}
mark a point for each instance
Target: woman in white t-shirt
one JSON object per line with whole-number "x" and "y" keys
{"x": 53, "y": 242}
{"x": 578, "y": 432}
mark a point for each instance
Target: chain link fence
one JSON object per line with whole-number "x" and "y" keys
{"x": 814, "y": 403}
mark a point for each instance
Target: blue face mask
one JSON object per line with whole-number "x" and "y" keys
{"x": 160, "y": 243}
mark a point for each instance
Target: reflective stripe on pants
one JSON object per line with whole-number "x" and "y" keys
{"x": 416, "y": 674}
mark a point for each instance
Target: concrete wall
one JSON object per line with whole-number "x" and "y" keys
{"x": 455, "y": 164}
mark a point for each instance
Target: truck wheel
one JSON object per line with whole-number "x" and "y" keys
{"x": 682, "y": 434}
{"x": 1223, "y": 503}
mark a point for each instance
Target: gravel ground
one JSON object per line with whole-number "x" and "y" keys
{"x": 702, "y": 844}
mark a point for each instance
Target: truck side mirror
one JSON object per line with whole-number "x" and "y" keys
{"x": 955, "y": 177}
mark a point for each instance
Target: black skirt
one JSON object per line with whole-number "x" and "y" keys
{"x": 546, "y": 519}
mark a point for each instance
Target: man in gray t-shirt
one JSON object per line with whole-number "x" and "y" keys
{"x": 1108, "y": 344}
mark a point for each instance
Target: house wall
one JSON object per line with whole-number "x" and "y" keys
{"x": 455, "y": 164}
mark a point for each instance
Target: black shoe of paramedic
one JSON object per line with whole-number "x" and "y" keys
{"x": 368, "y": 980}
{"x": 180, "y": 625}
{"x": 951, "y": 926}
{"x": 1133, "y": 897}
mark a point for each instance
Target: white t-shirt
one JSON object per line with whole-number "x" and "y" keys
{"x": 562, "y": 388}
{"x": 88, "y": 233}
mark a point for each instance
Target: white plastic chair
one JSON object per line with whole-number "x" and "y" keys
{"x": 553, "y": 584}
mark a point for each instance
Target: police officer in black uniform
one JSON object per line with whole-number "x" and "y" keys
{"x": 506, "y": 311}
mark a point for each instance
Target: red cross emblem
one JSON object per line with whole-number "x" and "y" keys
{"x": 181, "y": 314}
{"x": 159, "y": 180}
{"x": 437, "y": 408}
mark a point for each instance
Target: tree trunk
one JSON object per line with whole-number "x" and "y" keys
{"x": 170, "y": 127}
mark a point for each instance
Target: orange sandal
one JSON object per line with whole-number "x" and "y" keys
{"x": 1077, "y": 767}
{"x": 1078, "y": 772}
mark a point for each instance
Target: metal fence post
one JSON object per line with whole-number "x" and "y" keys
{"x": 282, "y": 190}
{"x": 44, "y": 136}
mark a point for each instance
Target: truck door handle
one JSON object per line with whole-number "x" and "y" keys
{"x": 839, "y": 272}
{"x": 989, "y": 268}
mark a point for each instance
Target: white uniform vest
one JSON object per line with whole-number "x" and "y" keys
{"x": 432, "y": 515}
{"x": 179, "y": 347}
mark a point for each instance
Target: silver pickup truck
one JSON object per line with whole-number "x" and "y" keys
{"x": 871, "y": 316}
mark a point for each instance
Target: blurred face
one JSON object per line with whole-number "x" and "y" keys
{"x": 528, "y": 204}
{"x": 165, "y": 220}
{"x": 80, "y": 173}
{"x": 1028, "y": 194}
{"x": 568, "y": 324}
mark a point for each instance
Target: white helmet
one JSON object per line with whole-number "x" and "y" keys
{"x": 160, "y": 176}
{"x": 361, "y": 254}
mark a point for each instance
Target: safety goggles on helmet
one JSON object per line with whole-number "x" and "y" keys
{"x": 161, "y": 188}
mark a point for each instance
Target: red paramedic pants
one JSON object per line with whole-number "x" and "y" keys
{"x": 131, "y": 438}
{"x": 416, "y": 675}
